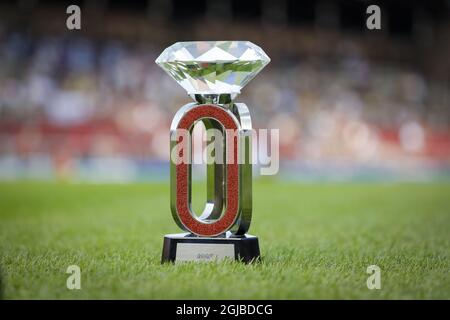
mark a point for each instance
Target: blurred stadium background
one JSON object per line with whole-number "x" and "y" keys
{"x": 351, "y": 103}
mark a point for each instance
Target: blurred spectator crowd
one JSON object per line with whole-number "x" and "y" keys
{"x": 75, "y": 106}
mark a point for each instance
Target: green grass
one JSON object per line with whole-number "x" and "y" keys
{"x": 316, "y": 240}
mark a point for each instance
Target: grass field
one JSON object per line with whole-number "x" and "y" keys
{"x": 316, "y": 240}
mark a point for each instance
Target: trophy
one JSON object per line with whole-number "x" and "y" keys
{"x": 212, "y": 73}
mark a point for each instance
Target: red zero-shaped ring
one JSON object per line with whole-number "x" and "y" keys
{"x": 226, "y": 221}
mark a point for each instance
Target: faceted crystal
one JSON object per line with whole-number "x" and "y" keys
{"x": 213, "y": 67}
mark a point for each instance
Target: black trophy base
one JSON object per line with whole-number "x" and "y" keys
{"x": 183, "y": 247}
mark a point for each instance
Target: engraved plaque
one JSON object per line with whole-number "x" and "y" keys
{"x": 204, "y": 252}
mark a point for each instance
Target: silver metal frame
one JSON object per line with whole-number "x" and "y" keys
{"x": 216, "y": 172}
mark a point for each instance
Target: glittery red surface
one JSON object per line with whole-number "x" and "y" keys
{"x": 232, "y": 176}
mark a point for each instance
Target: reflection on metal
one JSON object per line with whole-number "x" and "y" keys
{"x": 229, "y": 184}
{"x": 222, "y": 99}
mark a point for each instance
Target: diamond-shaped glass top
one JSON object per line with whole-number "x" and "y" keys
{"x": 213, "y": 67}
